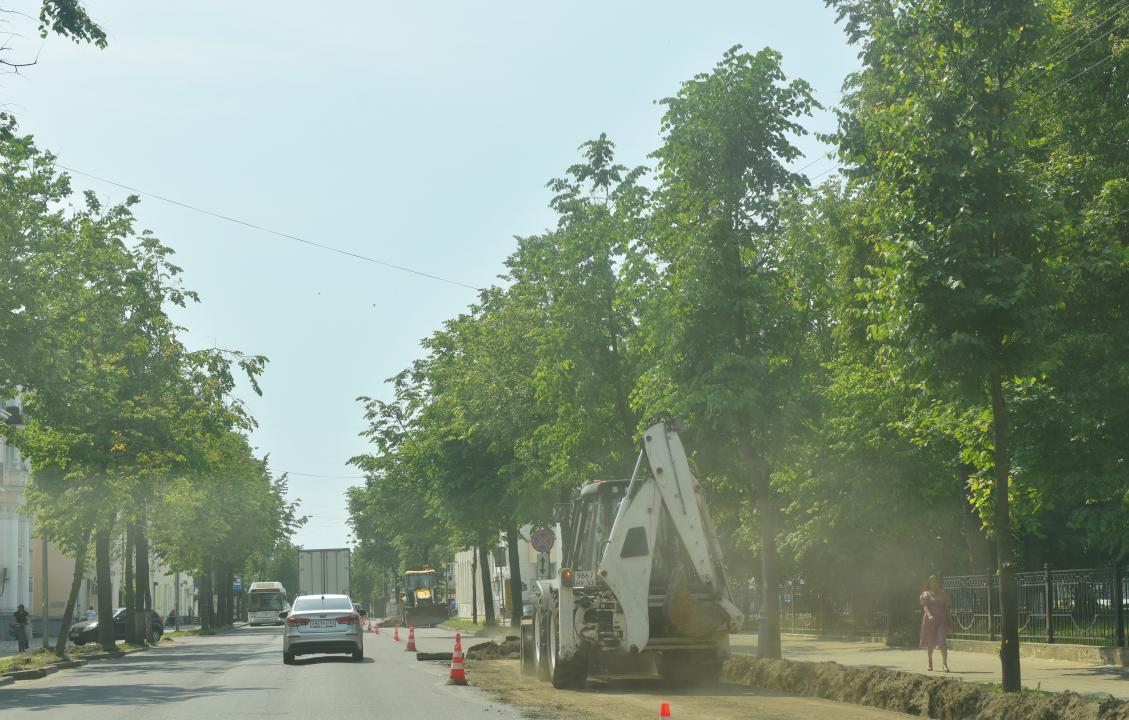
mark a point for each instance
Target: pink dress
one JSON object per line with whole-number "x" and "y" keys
{"x": 935, "y": 631}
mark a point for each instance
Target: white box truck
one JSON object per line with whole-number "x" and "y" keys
{"x": 323, "y": 572}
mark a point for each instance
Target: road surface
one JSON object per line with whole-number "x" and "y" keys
{"x": 240, "y": 674}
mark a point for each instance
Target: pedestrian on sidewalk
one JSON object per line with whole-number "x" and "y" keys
{"x": 90, "y": 614}
{"x": 21, "y": 616}
{"x": 935, "y": 621}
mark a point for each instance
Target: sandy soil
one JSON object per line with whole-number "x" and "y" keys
{"x": 642, "y": 698}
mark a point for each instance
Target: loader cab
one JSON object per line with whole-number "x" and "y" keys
{"x": 591, "y": 522}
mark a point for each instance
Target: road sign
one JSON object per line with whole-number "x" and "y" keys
{"x": 543, "y": 540}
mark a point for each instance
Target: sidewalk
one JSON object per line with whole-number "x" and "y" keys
{"x": 1048, "y": 675}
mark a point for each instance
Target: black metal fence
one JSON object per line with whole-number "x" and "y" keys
{"x": 804, "y": 611}
{"x": 1085, "y": 606}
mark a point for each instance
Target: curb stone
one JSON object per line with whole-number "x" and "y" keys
{"x": 6, "y": 681}
{"x": 29, "y": 674}
{"x": 25, "y": 674}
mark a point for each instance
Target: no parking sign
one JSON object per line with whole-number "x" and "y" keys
{"x": 543, "y": 540}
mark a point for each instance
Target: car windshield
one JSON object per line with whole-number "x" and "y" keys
{"x": 423, "y": 580}
{"x": 265, "y": 601}
{"x": 311, "y": 603}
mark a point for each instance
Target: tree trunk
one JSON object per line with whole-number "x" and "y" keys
{"x": 768, "y": 620}
{"x": 218, "y": 618}
{"x": 223, "y": 598}
{"x": 129, "y": 589}
{"x": 487, "y": 589}
{"x": 517, "y": 601}
{"x": 141, "y": 583}
{"x": 474, "y": 585}
{"x": 1005, "y": 548}
{"x": 228, "y": 596}
{"x": 105, "y": 589}
{"x": 206, "y": 596}
{"x": 72, "y": 596}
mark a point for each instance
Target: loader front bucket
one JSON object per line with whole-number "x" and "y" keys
{"x": 425, "y": 616}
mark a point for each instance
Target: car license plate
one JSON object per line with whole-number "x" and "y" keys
{"x": 322, "y": 623}
{"x": 584, "y": 578}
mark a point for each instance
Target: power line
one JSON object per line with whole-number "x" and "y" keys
{"x": 261, "y": 228}
{"x": 1074, "y": 77}
{"x": 327, "y": 477}
{"x": 813, "y": 162}
{"x": 1062, "y": 46}
{"x": 828, "y": 170}
{"x": 1065, "y": 43}
{"x": 1106, "y": 34}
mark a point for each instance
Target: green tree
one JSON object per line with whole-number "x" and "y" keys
{"x": 727, "y": 342}
{"x": 938, "y": 128}
{"x": 66, "y": 18}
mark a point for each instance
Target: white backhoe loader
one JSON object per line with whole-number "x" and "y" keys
{"x": 642, "y": 586}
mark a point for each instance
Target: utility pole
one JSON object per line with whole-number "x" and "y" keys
{"x": 45, "y": 605}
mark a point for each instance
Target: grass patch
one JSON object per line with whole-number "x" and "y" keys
{"x": 480, "y": 628}
{"x": 464, "y": 625}
{"x": 181, "y": 633}
{"x": 42, "y": 658}
{"x": 28, "y": 660}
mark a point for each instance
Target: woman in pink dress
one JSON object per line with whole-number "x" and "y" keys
{"x": 935, "y": 621}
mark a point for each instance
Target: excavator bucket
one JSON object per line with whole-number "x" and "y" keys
{"x": 425, "y": 616}
{"x": 690, "y": 616}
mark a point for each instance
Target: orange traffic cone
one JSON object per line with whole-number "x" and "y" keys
{"x": 458, "y": 642}
{"x": 664, "y": 711}
{"x": 458, "y": 675}
{"x": 396, "y": 633}
{"x": 411, "y": 646}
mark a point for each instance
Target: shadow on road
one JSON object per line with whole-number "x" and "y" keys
{"x": 319, "y": 659}
{"x": 47, "y": 698}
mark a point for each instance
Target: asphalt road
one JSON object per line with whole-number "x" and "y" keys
{"x": 240, "y": 675}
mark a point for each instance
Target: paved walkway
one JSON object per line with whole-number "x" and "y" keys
{"x": 1052, "y": 675}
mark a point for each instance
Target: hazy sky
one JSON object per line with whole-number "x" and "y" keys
{"x": 418, "y": 133}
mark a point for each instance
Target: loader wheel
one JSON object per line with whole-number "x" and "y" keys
{"x": 540, "y": 645}
{"x": 564, "y": 674}
{"x": 528, "y": 660}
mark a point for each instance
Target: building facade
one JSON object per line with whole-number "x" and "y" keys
{"x": 16, "y": 579}
{"x": 462, "y": 574}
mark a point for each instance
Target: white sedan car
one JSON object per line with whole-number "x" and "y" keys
{"x": 322, "y": 624}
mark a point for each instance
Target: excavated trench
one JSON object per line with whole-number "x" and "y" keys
{"x": 913, "y": 694}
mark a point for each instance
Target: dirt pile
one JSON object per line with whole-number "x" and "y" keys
{"x": 913, "y": 694}
{"x": 490, "y": 650}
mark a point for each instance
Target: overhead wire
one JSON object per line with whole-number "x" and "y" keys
{"x": 1061, "y": 46}
{"x": 271, "y": 231}
{"x": 326, "y": 477}
{"x": 1104, "y": 35}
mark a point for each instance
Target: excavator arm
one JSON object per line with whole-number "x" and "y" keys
{"x": 667, "y": 490}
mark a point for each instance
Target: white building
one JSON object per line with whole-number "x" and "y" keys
{"x": 534, "y": 565}
{"x": 15, "y": 527}
{"x": 21, "y": 560}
